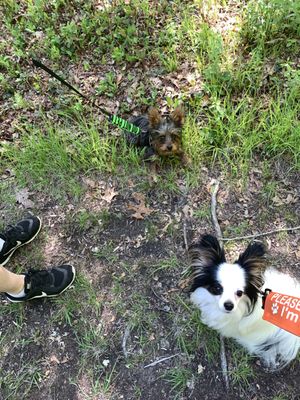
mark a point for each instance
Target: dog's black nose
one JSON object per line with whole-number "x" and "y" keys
{"x": 169, "y": 147}
{"x": 228, "y": 306}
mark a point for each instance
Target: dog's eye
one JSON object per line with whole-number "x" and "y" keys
{"x": 239, "y": 293}
{"x": 162, "y": 140}
{"x": 216, "y": 289}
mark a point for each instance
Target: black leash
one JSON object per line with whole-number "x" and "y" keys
{"x": 114, "y": 119}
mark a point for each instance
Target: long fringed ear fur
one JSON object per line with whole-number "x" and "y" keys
{"x": 154, "y": 117}
{"x": 254, "y": 262}
{"x": 177, "y": 116}
{"x": 204, "y": 255}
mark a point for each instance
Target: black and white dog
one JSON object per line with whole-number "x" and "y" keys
{"x": 229, "y": 297}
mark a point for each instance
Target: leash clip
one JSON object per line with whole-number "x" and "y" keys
{"x": 265, "y": 294}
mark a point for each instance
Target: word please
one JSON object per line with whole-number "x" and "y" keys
{"x": 291, "y": 302}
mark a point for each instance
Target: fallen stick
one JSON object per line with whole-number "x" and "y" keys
{"x": 262, "y": 234}
{"x": 124, "y": 341}
{"x": 218, "y": 231}
{"x": 160, "y": 360}
{"x": 214, "y": 213}
{"x": 186, "y": 246}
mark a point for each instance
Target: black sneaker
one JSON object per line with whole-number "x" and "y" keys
{"x": 17, "y": 235}
{"x": 45, "y": 283}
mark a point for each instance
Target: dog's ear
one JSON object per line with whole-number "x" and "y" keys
{"x": 253, "y": 256}
{"x": 206, "y": 253}
{"x": 253, "y": 261}
{"x": 177, "y": 116}
{"x": 154, "y": 117}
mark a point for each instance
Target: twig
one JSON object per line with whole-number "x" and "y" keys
{"x": 262, "y": 234}
{"x": 186, "y": 246}
{"x": 218, "y": 231}
{"x": 214, "y": 213}
{"x": 224, "y": 362}
{"x": 159, "y": 297}
{"x": 160, "y": 360}
{"x": 124, "y": 341}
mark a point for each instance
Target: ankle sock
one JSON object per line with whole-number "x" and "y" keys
{"x": 1, "y": 243}
{"x": 17, "y": 295}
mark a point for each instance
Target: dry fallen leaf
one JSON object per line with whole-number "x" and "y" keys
{"x": 54, "y": 359}
{"x": 278, "y": 201}
{"x": 152, "y": 337}
{"x": 109, "y": 194}
{"x": 22, "y": 197}
{"x": 90, "y": 182}
{"x": 141, "y": 210}
{"x": 187, "y": 211}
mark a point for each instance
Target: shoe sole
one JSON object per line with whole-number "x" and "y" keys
{"x": 45, "y": 294}
{"x": 22, "y": 244}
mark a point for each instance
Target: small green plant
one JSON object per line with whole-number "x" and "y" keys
{"x": 70, "y": 309}
{"x": 23, "y": 380}
{"x": 92, "y": 345}
{"x": 202, "y": 213}
{"x": 241, "y": 229}
{"x": 242, "y": 372}
{"x": 106, "y": 252}
{"x": 140, "y": 316}
{"x": 108, "y": 86}
{"x": 273, "y": 25}
{"x": 193, "y": 334}
{"x": 171, "y": 263}
{"x": 178, "y": 378}
{"x": 86, "y": 219}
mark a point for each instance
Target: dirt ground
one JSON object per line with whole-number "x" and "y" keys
{"x": 130, "y": 269}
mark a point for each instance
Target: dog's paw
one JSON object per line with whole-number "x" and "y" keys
{"x": 275, "y": 308}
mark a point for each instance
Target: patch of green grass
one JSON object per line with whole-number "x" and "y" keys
{"x": 100, "y": 384}
{"x": 139, "y": 315}
{"x": 19, "y": 382}
{"x": 167, "y": 176}
{"x": 203, "y": 213}
{"x": 122, "y": 31}
{"x": 92, "y": 345}
{"x": 8, "y": 200}
{"x": 192, "y": 334}
{"x": 178, "y": 378}
{"x": 272, "y": 25}
{"x": 71, "y": 306}
{"x": 106, "y": 252}
{"x": 240, "y": 229}
{"x": 236, "y": 125}
{"x": 235, "y": 133}
{"x": 269, "y": 190}
{"x": 241, "y": 371}
{"x": 165, "y": 265}
{"x": 53, "y": 157}
{"x": 85, "y": 219}
{"x": 108, "y": 85}
{"x": 150, "y": 231}
{"x": 16, "y": 311}
{"x": 281, "y": 127}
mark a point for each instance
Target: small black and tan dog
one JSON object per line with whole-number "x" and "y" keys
{"x": 159, "y": 135}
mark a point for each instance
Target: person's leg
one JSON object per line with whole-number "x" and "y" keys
{"x": 32, "y": 284}
{"x": 36, "y": 283}
{"x": 10, "y": 282}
